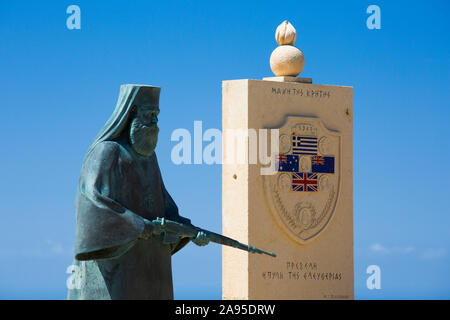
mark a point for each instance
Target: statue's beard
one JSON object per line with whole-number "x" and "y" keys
{"x": 143, "y": 137}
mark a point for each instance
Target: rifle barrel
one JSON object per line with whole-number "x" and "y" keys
{"x": 192, "y": 231}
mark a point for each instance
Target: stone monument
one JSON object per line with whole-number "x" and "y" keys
{"x": 303, "y": 208}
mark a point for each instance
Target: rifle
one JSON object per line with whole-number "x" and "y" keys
{"x": 190, "y": 231}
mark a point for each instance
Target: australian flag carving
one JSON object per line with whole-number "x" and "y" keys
{"x": 321, "y": 164}
{"x": 287, "y": 163}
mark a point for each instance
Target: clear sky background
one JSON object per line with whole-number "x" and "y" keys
{"x": 59, "y": 86}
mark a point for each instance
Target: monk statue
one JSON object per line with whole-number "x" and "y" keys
{"x": 120, "y": 192}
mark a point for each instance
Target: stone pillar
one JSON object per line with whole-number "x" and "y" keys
{"x": 303, "y": 211}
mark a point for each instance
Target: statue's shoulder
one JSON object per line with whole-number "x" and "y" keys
{"x": 109, "y": 150}
{"x": 110, "y": 147}
{"x": 104, "y": 156}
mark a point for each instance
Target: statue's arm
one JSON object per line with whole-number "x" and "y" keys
{"x": 105, "y": 228}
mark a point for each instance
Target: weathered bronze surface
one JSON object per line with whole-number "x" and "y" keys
{"x": 120, "y": 192}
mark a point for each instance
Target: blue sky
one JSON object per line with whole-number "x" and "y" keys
{"x": 59, "y": 86}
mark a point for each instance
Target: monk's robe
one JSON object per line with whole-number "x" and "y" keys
{"x": 117, "y": 189}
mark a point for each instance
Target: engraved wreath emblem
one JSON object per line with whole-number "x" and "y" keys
{"x": 303, "y": 192}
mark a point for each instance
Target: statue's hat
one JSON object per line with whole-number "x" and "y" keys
{"x": 146, "y": 95}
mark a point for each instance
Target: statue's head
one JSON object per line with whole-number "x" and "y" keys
{"x": 144, "y": 129}
{"x": 134, "y": 118}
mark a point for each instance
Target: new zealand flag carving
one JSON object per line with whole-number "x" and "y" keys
{"x": 321, "y": 164}
{"x": 304, "y": 182}
{"x": 287, "y": 163}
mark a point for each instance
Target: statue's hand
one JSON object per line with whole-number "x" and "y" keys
{"x": 201, "y": 239}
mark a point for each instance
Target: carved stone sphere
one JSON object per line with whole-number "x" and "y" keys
{"x": 287, "y": 60}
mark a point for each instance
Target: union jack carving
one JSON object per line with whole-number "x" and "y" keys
{"x": 304, "y": 182}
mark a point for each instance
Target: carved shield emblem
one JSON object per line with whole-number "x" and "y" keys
{"x": 303, "y": 192}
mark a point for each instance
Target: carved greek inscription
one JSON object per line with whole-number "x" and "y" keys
{"x": 302, "y": 271}
{"x": 307, "y": 93}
